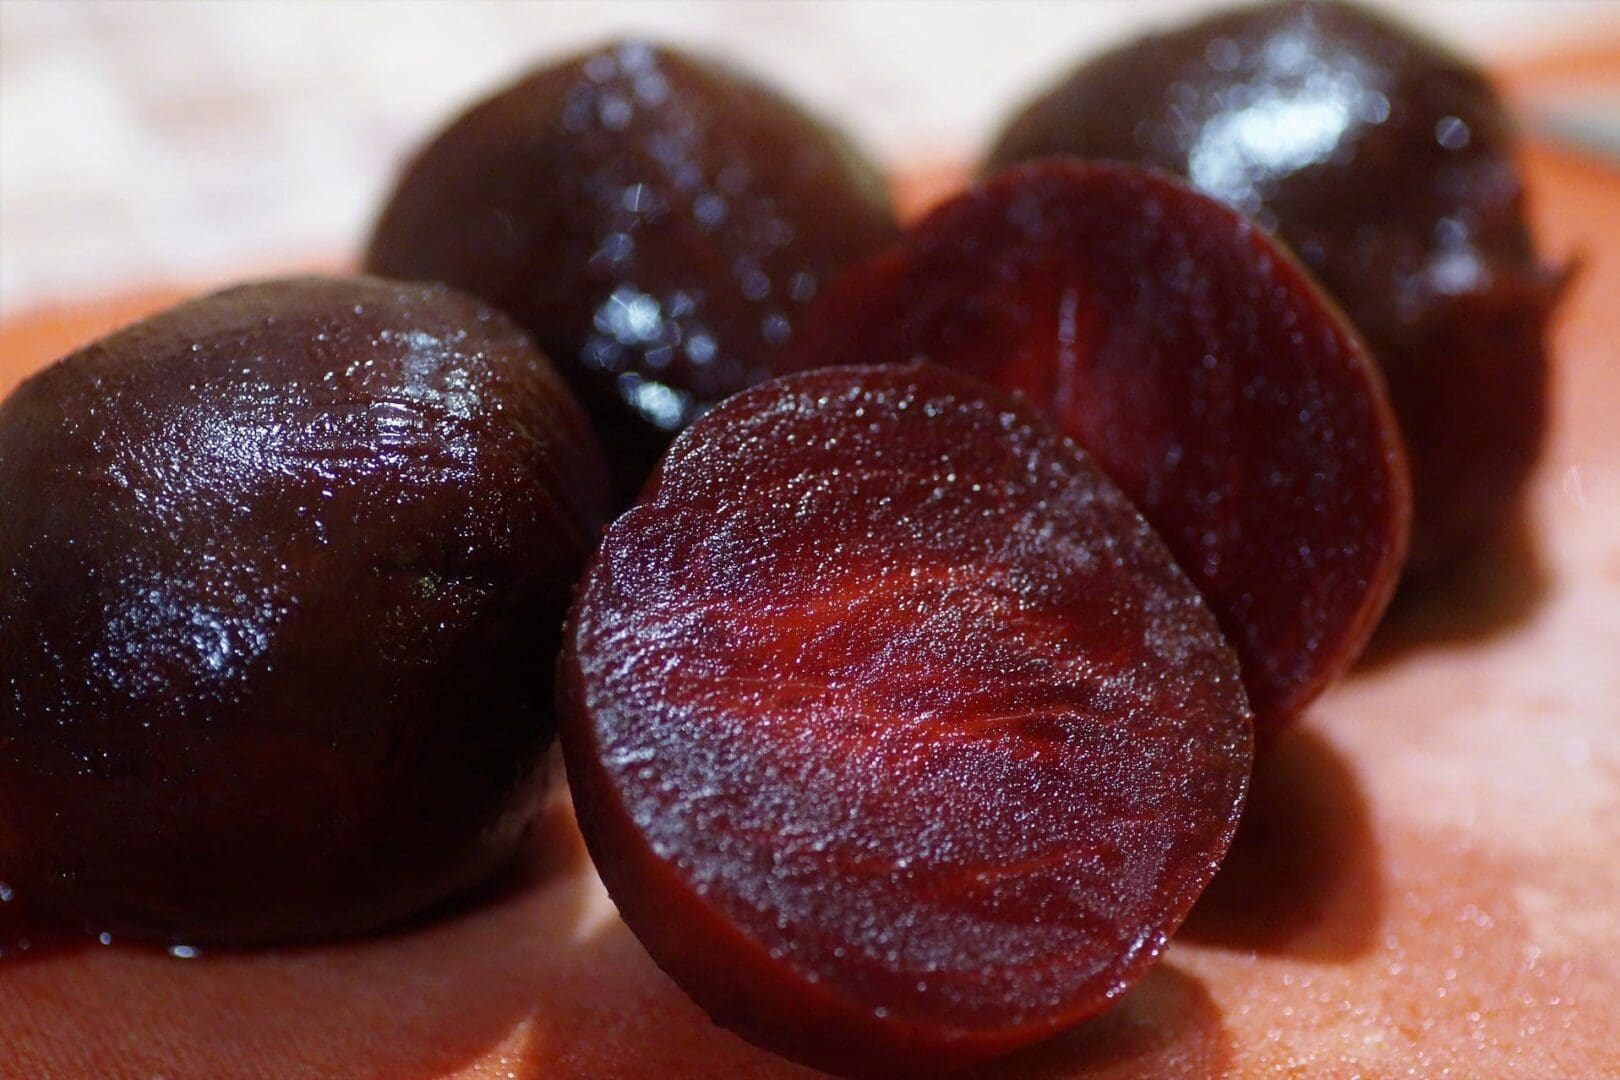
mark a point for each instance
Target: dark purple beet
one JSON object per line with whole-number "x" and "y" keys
{"x": 282, "y": 574}
{"x": 657, "y": 221}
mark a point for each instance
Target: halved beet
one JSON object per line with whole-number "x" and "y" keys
{"x": 896, "y": 733}
{"x": 1210, "y": 377}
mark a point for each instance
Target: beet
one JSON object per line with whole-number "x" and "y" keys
{"x": 657, "y": 221}
{"x": 1200, "y": 366}
{"x": 282, "y": 578}
{"x": 896, "y": 734}
{"x": 1387, "y": 163}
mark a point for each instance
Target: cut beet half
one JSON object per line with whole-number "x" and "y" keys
{"x": 896, "y": 733}
{"x": 1208, "y": 374}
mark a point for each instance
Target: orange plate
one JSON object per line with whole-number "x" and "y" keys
{"x": 1427, "y": 878}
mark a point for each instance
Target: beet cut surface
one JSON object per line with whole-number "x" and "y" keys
{"x": 282, "y": 576}
{"x": 896, "y": 734}
{"x": 1386, "y": 162}
{"x": 1196, "y": 361}
{"x": 657, "y": 221}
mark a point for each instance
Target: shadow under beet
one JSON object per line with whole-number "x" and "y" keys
{"x": 1303, "y": 876}
{"x": 1165, "y": 1025}
{"x": 420, "y": 1001}
{"x": 1490, "y": 593}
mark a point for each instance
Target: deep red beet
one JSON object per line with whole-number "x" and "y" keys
{"x": 1196, "y": 360}
{"x": 896, "y": 733}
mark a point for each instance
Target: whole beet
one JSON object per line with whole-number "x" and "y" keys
{"x": 657, "y": 221}
{"x": 282, "y": 572}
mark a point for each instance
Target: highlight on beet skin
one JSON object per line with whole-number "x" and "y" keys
{"x": 896, "y": 733}
{"x": 1200, "y": 365}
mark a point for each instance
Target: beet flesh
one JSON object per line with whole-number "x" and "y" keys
{"x": 1386, "y": 162}
{"x": 896, "y": 734}
{"x": 1196, "y": 361}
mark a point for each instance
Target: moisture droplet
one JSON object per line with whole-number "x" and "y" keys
{"x": 1451, "y": 132}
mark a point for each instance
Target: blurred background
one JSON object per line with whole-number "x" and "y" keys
{"x": 151, "y": 143}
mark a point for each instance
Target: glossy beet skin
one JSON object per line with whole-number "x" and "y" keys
{"x": 894, "y": 731}
{"x": 657, "y": 221}
{"x": 282, "y": 577}
{"x": 1207, "y": 374}
{"x": 1386, "y": 163}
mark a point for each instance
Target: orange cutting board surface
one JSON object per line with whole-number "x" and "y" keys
{"x": 1427, "y": 882}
